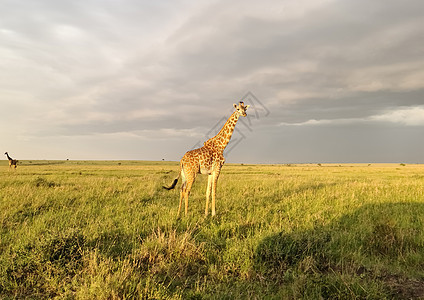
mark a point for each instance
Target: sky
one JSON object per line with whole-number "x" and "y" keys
{"x": 338, "y": 81}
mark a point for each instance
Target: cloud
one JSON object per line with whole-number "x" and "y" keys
{"x": 413, "y": 116}
{"x": 96, "y": 68}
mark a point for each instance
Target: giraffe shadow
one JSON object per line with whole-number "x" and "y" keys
{"x": 389, "y": 234}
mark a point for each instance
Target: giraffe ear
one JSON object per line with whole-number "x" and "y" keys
{"x": 247, "y": 106}
{"x": 235, "y": 105}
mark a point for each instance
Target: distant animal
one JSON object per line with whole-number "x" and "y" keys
{"x": 12, "y": 162}
{"x": 207, "y": 160}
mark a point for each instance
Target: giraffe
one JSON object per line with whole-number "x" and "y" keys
{"x": 12, "y": 162}
{"x": 208, "y": 159}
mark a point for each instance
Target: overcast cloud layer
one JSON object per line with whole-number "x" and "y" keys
{"x": 330, "y": 81}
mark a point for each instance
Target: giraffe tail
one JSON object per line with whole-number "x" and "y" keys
{"x": 174, "y": 183}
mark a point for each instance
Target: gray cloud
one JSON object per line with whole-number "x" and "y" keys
{"x": 144, "y": 71}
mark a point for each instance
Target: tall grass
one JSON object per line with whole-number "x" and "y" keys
{"x": 108, "y": 230}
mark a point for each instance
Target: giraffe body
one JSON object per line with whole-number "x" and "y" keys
{"x": 12, "y": 162}
{"x": 209, "y": 160}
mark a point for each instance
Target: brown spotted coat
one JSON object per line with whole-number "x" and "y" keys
{"x": 208, "y": 159}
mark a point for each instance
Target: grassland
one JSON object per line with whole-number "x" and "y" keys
{"x": 107, "y": 230}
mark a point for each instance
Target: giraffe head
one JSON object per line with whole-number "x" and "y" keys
{"x": 241, "y": 108}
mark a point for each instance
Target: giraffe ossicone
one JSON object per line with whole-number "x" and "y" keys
{"x": 208, "y": 159}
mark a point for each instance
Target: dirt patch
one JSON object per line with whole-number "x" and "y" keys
{"x": 405, "y": 288}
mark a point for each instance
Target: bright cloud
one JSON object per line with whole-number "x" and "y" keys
{"x": 413, "y": 116}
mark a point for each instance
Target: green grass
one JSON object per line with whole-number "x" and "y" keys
{"x": 107, "y": 230}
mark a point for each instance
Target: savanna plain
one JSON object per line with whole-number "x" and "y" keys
{"x": 108, "y": 230}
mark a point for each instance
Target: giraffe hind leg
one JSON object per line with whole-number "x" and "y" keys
{"x": 183, "y": 189}
{"x": 182, "y": 193}
{"x": 187, "y": 192}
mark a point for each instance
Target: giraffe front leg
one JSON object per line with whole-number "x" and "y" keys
{"x": 208, "y": 192}
{"x": 214, "y": 184}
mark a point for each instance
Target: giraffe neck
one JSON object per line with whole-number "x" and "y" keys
{"x": 8, "y": 157}
{"x": 221, "y": 140}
